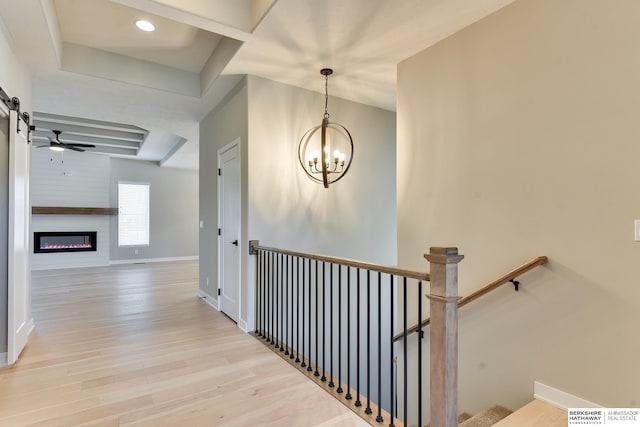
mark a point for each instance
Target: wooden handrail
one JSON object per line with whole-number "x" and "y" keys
{"x": 484, "y": 290}
{"x": 396, "y": 271}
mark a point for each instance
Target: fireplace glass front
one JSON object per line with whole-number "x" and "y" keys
{"x": 64, "y": 241}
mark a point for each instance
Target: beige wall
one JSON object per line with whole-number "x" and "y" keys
{"x": 518, "y": 137}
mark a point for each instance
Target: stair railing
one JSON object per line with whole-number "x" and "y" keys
{"x": 334, "y": 319}
{"x": 509, "y": 277}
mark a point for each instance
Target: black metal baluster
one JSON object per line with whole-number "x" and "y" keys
{"x": 348, "y": 395}
{"x": 419, "y": 352}
{"x": 273, "y": 270}
{"x": 292, "y": 309}
{"x": 286, "y": 304}
{"x": 316, "y": 373}
{"x": 368, "y": 408}
{"x": 379, "y": 417}
{"x": 324, "y": 320}
{"x": 277, "y": 295}
{"x": 339, "y": 389}
{"x": 298, "y": 305}
{"x": 282, "y": 300}
{"x": 257, "y": 299}
{"x": 303, "y": 364}
{"x": 267, "y": 283}
{"x": 406, "y": 358}
{"x": 264, "y": 293}
{"x": 392, "y": 396}
{"x": 309, "y": 368}
{"x": 331, "y": 371}
{"x": 358, "y": 402}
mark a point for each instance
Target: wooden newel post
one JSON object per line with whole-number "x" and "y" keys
{"x": 444, "y": 335}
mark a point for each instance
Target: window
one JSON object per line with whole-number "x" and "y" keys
{"x": 133, "y": 214}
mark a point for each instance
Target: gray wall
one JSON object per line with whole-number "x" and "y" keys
{"x": 280, "y": 206}
{"x": 354, "y": 218}
{"x": 173, "y": 208}
{"x": 518, "y": 137}
{"x": 224, "y": 124}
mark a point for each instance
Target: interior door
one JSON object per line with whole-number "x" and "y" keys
{"x": 18, "y": 267}
{"x": 229, "y": 229}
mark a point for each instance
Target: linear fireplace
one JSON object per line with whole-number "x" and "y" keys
{"x": 64, "y": 241}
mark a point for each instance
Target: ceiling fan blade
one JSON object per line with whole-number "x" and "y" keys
{"x": 73, "y": 148}
{"x": 72, "y": 144}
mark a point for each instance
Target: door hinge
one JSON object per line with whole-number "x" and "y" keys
{"x": 219, "y": 172}
{"x": 219, "y": 231}
{"x": 218, "y": 291}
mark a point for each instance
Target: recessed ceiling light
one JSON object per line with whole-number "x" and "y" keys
{"x": 145, "y": 25}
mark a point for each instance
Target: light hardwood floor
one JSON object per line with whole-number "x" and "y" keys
{"x": 132, "y": 345}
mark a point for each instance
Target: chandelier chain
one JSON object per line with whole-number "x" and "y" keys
{"x": 326, "y": 96}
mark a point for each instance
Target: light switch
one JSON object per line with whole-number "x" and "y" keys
{"x": 201, "y": 224}
{"x": 637, "y": 229}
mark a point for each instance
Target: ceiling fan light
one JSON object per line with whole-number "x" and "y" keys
{"x": 56, "y": 148}
{"x": 145, "y": 25}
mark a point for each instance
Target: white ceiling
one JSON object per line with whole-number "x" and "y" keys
{"x": 90, "y": 61}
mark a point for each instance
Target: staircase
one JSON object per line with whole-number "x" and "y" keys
{"x": 486, "y": 418}
{"x": 535, "y": 414}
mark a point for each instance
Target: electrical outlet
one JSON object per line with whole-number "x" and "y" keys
{"x": 136, "y": 252}
{"x": 637, "y": 229}
{"x": 207, "y": 280}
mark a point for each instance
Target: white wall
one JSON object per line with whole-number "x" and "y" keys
{"x": 16, "y": 81}
{"x": 70, "y": 179}
{"x": 518, "y": 137}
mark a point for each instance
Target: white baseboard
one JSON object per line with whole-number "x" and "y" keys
{"x": 559, "y": 398}
{"x": 3, "y": 360}
{"x": 213, "y": 302}
{"x": 148, "y": 260}
{"x": 243, "y": 325}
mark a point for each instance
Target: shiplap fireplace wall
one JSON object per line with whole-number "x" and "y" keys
{"x": 70, "y": 179}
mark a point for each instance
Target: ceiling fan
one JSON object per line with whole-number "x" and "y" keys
{"x": 57, "y": 145}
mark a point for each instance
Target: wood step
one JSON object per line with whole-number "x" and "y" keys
{"x": 536, "y": 413}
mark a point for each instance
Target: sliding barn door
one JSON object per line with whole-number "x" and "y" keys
{"x": 19, "y": 320}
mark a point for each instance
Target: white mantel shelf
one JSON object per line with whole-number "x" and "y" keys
{"x": 61, "y": 210}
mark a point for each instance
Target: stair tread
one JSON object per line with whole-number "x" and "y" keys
{"x": 487, "y": 418}
{"x": 536, "y": 413}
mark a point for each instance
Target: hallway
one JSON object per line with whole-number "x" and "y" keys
{"x": 132, "y": 345}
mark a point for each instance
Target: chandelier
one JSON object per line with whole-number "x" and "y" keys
{"x": 325, "y": 151}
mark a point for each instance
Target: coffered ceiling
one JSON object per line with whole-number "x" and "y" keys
{"x": 90, "y": 62}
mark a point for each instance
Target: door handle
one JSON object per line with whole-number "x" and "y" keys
{"x": 235, "y": 243}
